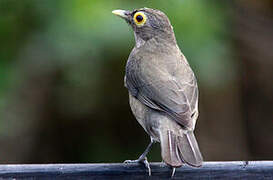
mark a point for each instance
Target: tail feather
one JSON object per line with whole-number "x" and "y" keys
{"x": 177, "y": 150}
{"x": 169, "y": 149}
{"x": 189, "y": 150}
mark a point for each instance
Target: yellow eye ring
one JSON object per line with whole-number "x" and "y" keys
{"x": 140, "y": 18}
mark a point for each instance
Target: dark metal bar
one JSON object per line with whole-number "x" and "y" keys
{"x": 209, "y": 170}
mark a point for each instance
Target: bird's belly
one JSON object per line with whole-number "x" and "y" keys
{"x": 153, "y": 122}
{"x": 140, "y": 111}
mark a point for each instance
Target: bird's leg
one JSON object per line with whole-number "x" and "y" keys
{"x": 173, "y": 172}
{"x": 142, "y": 158}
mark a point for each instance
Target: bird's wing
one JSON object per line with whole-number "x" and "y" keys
{"x": 162, "y": 91}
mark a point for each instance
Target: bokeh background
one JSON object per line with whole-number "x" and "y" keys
{"x": 62, "y": 98}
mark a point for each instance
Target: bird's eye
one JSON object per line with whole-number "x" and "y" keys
{"x": 139, "y": 18}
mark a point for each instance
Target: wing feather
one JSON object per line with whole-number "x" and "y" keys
{"x": 174, "y": 94}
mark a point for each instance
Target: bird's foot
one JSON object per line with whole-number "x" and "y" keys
{"x": 141, "y": 160}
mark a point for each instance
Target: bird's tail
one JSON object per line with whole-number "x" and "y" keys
{"x": 179, "y": 149}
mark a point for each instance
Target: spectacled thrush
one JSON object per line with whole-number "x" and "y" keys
{"x": 163, "y": 92}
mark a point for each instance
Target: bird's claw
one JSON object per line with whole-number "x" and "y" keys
{"x": 147, "y": 165}
{"x": 130, "y": 161}
{"x": 144, "y": 161}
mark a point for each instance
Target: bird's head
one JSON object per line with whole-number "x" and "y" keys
{"x": 147, "y": 23}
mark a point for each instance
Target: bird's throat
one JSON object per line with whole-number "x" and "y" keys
{"x": 139, "y": 41}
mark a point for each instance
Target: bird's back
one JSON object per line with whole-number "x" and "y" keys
{"x": 163, "y": 74}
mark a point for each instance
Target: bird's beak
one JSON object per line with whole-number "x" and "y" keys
{"x": 121, "y": 13}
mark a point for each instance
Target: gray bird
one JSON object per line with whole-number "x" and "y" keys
{"x": 163, "y": 92}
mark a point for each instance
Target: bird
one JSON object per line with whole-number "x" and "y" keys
{"x": 163, "y": 91}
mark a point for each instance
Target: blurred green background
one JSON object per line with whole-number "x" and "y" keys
{"x": 62, "y": 62}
